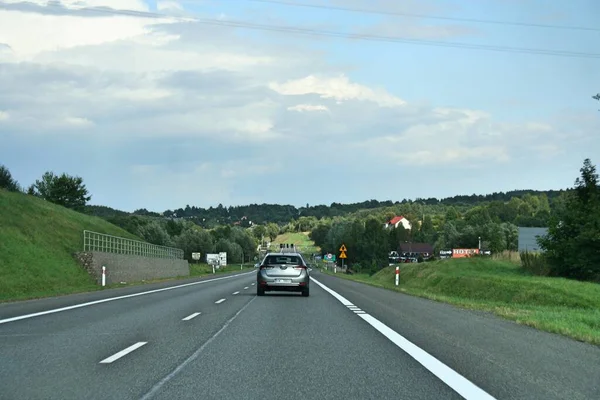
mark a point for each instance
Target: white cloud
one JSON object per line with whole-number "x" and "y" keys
{"x": 339, "y": 88}
{"x": 200, "y": 114}
{"x": 168, "y": 5}
{"x": 308, "y": 107}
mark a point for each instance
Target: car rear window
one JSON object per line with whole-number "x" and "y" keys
{"x": 295, "y": 260}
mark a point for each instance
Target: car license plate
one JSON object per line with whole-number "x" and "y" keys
{"x": 283, "y": 280}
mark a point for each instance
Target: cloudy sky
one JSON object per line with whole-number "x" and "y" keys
{"x": 159, "y": 104}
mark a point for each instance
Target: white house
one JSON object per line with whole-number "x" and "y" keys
{"x": 397, "y": 221}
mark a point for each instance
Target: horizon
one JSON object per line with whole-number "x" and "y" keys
{"x": 415, "y": 200}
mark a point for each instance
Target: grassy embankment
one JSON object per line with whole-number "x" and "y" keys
{"x": 37, "y": 240}
{"x": 299, "y": 239}
{"x": 499, "y": 285}
{"x": 557, "y": 305}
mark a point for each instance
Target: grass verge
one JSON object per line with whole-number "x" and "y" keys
{"x": 37, "y": 239}
{"x": 300, "y": 239}
{"x": 556, "y": 305}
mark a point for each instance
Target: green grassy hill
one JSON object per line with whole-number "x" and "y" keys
{"x": 558, "y": 305}
{"x": 299, "y": 239}
{"x": 37, "y": 239}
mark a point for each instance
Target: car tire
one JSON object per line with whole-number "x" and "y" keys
{"x": 305, "y": 293}
{"x": 260, "y": 292}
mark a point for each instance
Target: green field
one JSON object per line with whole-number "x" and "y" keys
{"x": 557, "y": 305}
{"x": 300, "y": 239}
{"x": 37, "y": 239}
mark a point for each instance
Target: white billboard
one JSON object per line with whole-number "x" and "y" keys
{"x": 213, "y": 259}
{"x": 223, "y": 258}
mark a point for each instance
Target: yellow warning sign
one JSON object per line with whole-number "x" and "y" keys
{"x": 343, "y": 255}
{"x": 343, "y": 248}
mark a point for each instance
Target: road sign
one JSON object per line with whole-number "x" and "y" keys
{"x": 343, "y": 254}
{"x": 343, "y": 249}
{"x": 329, "y": 257}
{"x": 195, "y": 256}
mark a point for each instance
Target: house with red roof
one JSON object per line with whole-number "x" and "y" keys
{"x": 397, "y": 221}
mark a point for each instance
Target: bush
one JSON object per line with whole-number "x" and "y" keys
{"x": 535, "y": 263}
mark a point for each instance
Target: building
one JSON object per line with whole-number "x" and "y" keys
{"x": 397, "y": 221}
{"x": 528, "y": 238}
{"x": 424, "y": 250}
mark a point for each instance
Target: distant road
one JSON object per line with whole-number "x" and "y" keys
{"x": 214, "y": 339}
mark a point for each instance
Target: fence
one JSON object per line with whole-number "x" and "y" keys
{"x": 94, "y": 241}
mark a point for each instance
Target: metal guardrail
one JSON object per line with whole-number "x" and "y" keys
{"x": 94, "y": 241}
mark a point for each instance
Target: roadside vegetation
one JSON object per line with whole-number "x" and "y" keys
{"x": 558, "y": 305}
{"x": 37, "y": 240}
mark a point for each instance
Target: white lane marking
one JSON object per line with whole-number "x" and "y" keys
{"x": 191, "y": 358}
{"x": 457, "y": 382}
{"x": 253, "y": 284}
{"x": 194, "y": 315}
{"x": 220, "y": 301}
{"x": 91, "y": 303}
{"x": 234, "y": 293}
{"x": 122, "y": 353}
{"x": 246, "y": 288}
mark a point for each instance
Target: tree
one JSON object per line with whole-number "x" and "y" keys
{"x": 596, "y": 97}
{"x": 272, "y": 231}
{"x": 155, "y": 233}
{"x": 67, "y": 191}
{"x": 195, "y": 240}
{"x": 6, "y": 180}
{"x": 259, "y": 231}
{"x": 573, "y": 237}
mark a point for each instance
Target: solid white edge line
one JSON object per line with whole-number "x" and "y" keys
{"x": 91, "y": 303}
{"x": 194, "y": 315}
{"x": 234, "y": 293}
{"x": 220, "y": 301}
{"x": 456, "y": 381}
{"x": 122, "y": 353}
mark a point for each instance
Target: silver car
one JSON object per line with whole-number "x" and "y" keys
{"x": 283, "y": 272}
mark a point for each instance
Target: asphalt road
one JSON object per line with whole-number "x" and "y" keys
{"x": 214, "y": 339}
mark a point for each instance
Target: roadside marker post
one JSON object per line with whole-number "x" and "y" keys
{"x": 397, "y": 275}
{"x": 103, "y": 276}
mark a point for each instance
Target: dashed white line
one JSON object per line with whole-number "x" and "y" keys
{"x": 191, "y": 358}
{"x": 122, "y": 353}
{"x": 220, "y": 301}
{"x": 253, "y": 284}
{"x": 234, "y": 293}
{"x": 246, "y": 288}
{"x": 194, "y": 315}
{"x": 457, "y": 382}
{"x": 91, "y": 303}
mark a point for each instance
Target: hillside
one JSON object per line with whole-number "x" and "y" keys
{"x": 37, "y": 239}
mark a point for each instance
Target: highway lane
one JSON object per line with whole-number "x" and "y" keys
{"x": 508, "y": 360}
{"x": 57, "y": 356}
{"x": 218, "y": 340}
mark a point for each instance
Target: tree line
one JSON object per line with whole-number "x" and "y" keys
{"x": 571, "y": 247}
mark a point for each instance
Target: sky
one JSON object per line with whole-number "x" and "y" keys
{"x": 163, "y": 104}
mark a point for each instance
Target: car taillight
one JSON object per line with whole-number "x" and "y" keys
{"x": 300, "y": 267}
{"x": 263, "y": 267}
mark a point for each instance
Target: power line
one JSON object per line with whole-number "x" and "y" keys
{"x": 413, "y": 15}
{"x": 326, "y": 33}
